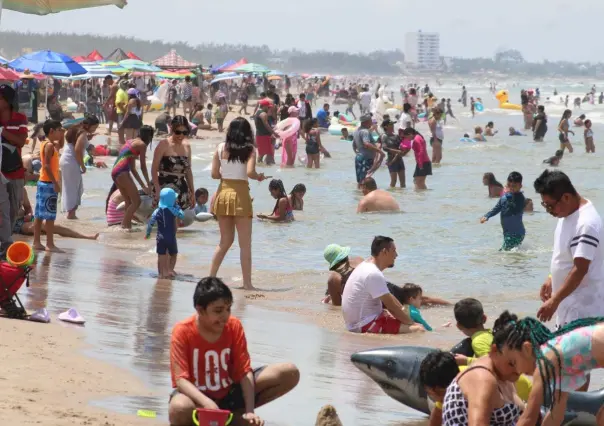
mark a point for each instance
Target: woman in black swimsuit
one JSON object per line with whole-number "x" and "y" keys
{"x": 563, "y": 129}
{"x": 171, "y": 167}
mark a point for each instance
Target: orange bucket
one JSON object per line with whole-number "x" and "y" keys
{"x": 20, "y": 254}
{"x": 203, "y": 417}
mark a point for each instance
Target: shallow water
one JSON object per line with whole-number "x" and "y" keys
{"x": 440, "y": 242}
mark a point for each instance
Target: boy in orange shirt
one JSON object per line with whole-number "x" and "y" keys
{"x": 210, "y": 364}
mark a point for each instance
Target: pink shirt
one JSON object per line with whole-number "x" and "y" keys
{"x": 418, "y": 145}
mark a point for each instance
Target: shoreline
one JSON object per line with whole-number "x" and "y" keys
{"x": 58, "y": 382}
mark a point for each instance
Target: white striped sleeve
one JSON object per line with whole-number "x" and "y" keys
{"x": 585, "y": 242}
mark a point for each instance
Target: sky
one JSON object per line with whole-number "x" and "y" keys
{"x": 539, "y": 29}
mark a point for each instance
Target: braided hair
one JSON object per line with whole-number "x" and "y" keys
{"x": 509, "y": 331}
{"x": 277, "y": 185}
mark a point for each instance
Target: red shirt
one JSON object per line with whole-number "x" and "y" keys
{"x": 16, "y": 124}
{"x": 211, "y": 367}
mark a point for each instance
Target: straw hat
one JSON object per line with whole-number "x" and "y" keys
{"x": 27, "y": 75}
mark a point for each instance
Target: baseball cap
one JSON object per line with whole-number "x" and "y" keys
{"x": 387, "y": 123}
{"x": 133, "y": 91}
{"x": 7, "y": 93}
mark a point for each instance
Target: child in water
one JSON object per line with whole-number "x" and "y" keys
{"x": 511, "y": 207}
{"x": 283, "y": 211}
{"x": 345, "y": 135}
{"x": 201, "y": 199}
{"x": 588, "y": 134}
{"x": 495, "y": 188}
{"x": 296, "y": 197}
{"x": 478, "y": 136}
{"x": 555, "y": 160}
{"x": 412, "y": 296}
{"x": 514, "y": 132}
{"x": 165, "y": 216}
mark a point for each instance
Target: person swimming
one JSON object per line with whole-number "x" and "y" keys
{"x": 495, "y": 188}
{"x": 555, "y": 160}
{"x": 478, "y": 136}
{"x": 296, "y": 197}
{"x": 514, "y": 132}
{"x": 282, "y": 212}
{"x": 490, "y": 129}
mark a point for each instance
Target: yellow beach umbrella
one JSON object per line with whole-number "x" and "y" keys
{"x": 45, "y": 7}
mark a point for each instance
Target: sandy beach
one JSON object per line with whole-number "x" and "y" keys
{"x": 46, "y": 378}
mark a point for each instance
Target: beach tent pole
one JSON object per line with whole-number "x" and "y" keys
{"x": 1, "y": 1}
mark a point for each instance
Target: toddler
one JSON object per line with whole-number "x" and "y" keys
{"x": 201, "y": 198}
{"x": 165, "y": 216}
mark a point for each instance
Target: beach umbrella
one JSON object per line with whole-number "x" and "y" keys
{"x": 113, "y": 67}
{"x": 136, "y": 65}
{"x": 276, "y": 73}
{"x": 226, "y": 76}
{"x": 252, "y": 68}
{"x": 8, "y": 75}
{"x": 45, "y": 7}
{"x": 48, "y": 62}
{"x": 223, "y": 66}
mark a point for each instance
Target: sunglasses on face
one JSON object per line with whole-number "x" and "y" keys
{"x": 549, "y": 207}
{"x": 181, "y": 132}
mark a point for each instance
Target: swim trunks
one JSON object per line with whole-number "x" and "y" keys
{"x": 511, "y": 241}
{"x": 46, "y": 201}
{"x": 385, "y": 323}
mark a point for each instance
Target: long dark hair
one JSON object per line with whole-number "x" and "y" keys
{"x": 411, "y": 131}
{"x": 111, "y": 191}
{"x": 239, "y": 140}
{"x": 277, "y": 184}
{"x": 146, "y": 134}
{"x": 299, "y": 187}
{"x": 511, "y": 332}
{"x": 491, "y": 180}
{"x": 180, "y": 120}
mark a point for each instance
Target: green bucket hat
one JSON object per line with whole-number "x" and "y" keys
{"x": 335, "y": 253}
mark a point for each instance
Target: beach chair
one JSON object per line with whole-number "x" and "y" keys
{"x": 11, "y": 280}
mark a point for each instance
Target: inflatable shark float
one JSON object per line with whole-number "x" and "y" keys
{"x": 146, "y": 208}
{"x": 396, "y": 370}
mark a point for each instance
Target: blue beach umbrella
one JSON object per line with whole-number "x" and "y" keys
{"x": 49, "y": 63}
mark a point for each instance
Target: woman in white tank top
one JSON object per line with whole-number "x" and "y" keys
{"x": 233, "y": 163}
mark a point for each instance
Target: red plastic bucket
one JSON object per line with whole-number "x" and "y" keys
{"x": 203, "y": 417}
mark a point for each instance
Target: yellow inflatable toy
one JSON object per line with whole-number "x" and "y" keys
{"x": 503, "y": 97}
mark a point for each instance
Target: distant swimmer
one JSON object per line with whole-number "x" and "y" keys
{"x": 514, "y": 132}
{"x": 555, "y": 160}
{"x": 579, "y": 121}
{"x": 375, "y": 200}
{"x": 588, "y": 134}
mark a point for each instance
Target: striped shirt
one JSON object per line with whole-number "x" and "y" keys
{"x": 580, "y": 234}
{"x": 17, "y": 124}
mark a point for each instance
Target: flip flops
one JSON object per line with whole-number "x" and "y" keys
{"x": 72, "y": 316}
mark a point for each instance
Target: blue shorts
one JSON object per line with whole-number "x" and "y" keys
{"x": 46, "y": 201}
{"x": 167, "y": 247}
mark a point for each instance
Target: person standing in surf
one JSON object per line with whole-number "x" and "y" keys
{"x": 368, "y": 155}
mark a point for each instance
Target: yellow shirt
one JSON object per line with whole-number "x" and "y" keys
{"x": 121, "y": 97}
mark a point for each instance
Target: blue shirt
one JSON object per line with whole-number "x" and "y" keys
{"x": 322, "y": 117}
{"x": 165, "y": 218}
{"x": 511, "y": 207}
{"x": 416, "y": 316}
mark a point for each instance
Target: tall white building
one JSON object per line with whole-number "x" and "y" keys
{"x": 422, "y": 50}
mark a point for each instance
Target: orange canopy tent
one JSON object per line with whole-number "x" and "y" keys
{"x": 131, "y": 55}
{"x": 94, "y": 56}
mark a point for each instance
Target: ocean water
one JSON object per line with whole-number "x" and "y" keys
{"x": 441, "y": 244}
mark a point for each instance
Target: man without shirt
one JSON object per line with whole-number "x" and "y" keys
{"x": 376, "y": 200}
{"x": 366, "y": 295}
{"x": 575, "y": 286}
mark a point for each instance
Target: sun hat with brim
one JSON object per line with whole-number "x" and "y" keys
{"x": 167, "y": 198}
{"x": 335, "y": 254}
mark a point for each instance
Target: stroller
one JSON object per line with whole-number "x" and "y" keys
{"x": 11, "y": 280}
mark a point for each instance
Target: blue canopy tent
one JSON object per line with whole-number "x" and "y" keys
{"x": 218, "y": 69}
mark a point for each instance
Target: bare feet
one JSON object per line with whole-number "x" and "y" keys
{"x": 172, "y": 274}
{"x": 54, "y": 249}
{"x": 39, "y": 247}
{"x": 93, "y": 237}
{"x": 72, "y": 216}
{"x": 249, "y": 287}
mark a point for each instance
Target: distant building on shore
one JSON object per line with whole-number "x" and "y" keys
{"x": 422, "y": 50}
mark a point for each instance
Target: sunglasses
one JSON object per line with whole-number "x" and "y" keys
{"x": 549, "y": 207}
{"x": 181, "y": 132}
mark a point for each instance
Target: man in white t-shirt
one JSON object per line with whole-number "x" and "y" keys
{"x": 405, "y": 120}
{"x": 575, "y": 287}
{"x": 366, "y": 290}
{"x": 365, "y": 101}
